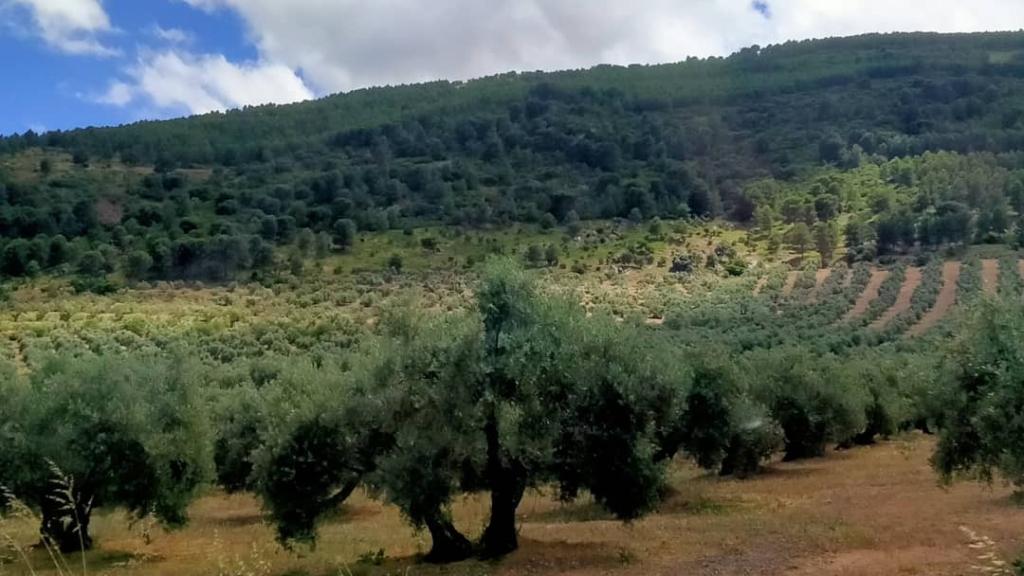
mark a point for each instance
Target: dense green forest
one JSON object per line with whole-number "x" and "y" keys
{"x": 897, "y": 141}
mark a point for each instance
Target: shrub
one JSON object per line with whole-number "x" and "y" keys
{"x": 980, "y": 429}
{"x": 108, "y": 432}
{"x": 810, "y": 404}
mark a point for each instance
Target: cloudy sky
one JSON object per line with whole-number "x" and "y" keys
{"x": 69, "y": 63}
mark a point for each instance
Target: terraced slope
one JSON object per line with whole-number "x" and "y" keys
{"x": 911, "y": 282}
{"x": 820, "y": 277}
{"x": 763, "y": 281}
{"x": 791, "y": 280}
{"x": 990, "y": 277}
{"x": 868, "y": 296}
{"x": 943, "y": 304}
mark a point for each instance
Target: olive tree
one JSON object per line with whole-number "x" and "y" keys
{"x": 381, "y": 423}
{"x": 803, "y": 394}
{"x": 109, "y": 432}
{"x": 567, "y": 399}
{"x": 14, "y": 441}
{"x": 526, "y": 392}
{"x": 982, "y": 397}
{"x": 887, "y": 409}
{"x": 722, "y": 427}
{"x": 624, "y": 394}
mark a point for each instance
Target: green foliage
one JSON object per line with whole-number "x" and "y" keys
{"x": 525, "y": 393}
{"x": 812, "y": 407}
{"x": 981, "y": 398}
{"x": 629, "y": 395}
{"x": 344, "y": 233}
{"x": 110, "y": 431}
{"x": 912, "y": 138}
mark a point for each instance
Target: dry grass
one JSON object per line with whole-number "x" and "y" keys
{"x": 790, "y": 284}
{"x": 872, "y": 511}
{"x": 990, "y": 276}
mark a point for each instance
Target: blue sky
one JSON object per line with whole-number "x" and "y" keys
{"x": 49, "y": 88}
{"x": 71, "y": 63}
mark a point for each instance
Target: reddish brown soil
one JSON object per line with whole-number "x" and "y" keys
{"x": 868, "y": 296}
{"x": 903, "y": 300}
{"x": 820, "y": 277}
{"x": 990, "y": 276}
{"x": 944, "y": 302}
{"x": 764, "y": 281}
{"x": 791, "y": 279}
{"x": 109, "y": 212}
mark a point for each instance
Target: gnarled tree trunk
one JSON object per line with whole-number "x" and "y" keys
{"x": 448, "y": 544}
{"x": 508, "y": 483}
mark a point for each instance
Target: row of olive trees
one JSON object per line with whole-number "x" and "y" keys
{"x": 524, "y": 392}
{"x": 980, "y": 398}
{"x": 528, "y": 392}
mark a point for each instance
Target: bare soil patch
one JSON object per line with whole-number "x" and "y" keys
{"x": 868, "y": 296}
{"x": 791, "y": 279}
{"x": 944, "y": 302}
{"x": 903, "y": 300}
{"x": 990, "y": 277}
{"x": 109, "y": 212}
{"x": 763, "y": 281}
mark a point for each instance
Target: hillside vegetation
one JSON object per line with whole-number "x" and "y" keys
{"x": 896, "y": 139}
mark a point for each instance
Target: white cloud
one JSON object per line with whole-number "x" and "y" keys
{"x": 343, "y": 44}
{"x": 118, "y": 94}
{"x": 71, "y": 26}
{"x": 178, "y": 81}
{"x": 171, "y": 35}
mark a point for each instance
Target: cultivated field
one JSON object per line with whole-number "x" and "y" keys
{"x": 869, "y": 510}
{"x": 874, "y": 511}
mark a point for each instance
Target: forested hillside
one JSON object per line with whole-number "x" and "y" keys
{"x": 901, "y": 141}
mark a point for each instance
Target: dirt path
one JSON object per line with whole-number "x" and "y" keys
{"x": 903, "y": 300}
{"x": 944, "y": 302}
{"x": 791, "y": 279}
{"x": 820, "y": 277}
{"x": 868, "y": 296}
{"x": 1020, "y": 268}
{"x": 990, "y": 277}
{"x": 874, "y": 511}
{"x": 18, "y": 355}
{"x": 764, "y": 281}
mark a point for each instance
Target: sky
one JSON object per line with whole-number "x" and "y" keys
{"x": 73, "y": 63}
